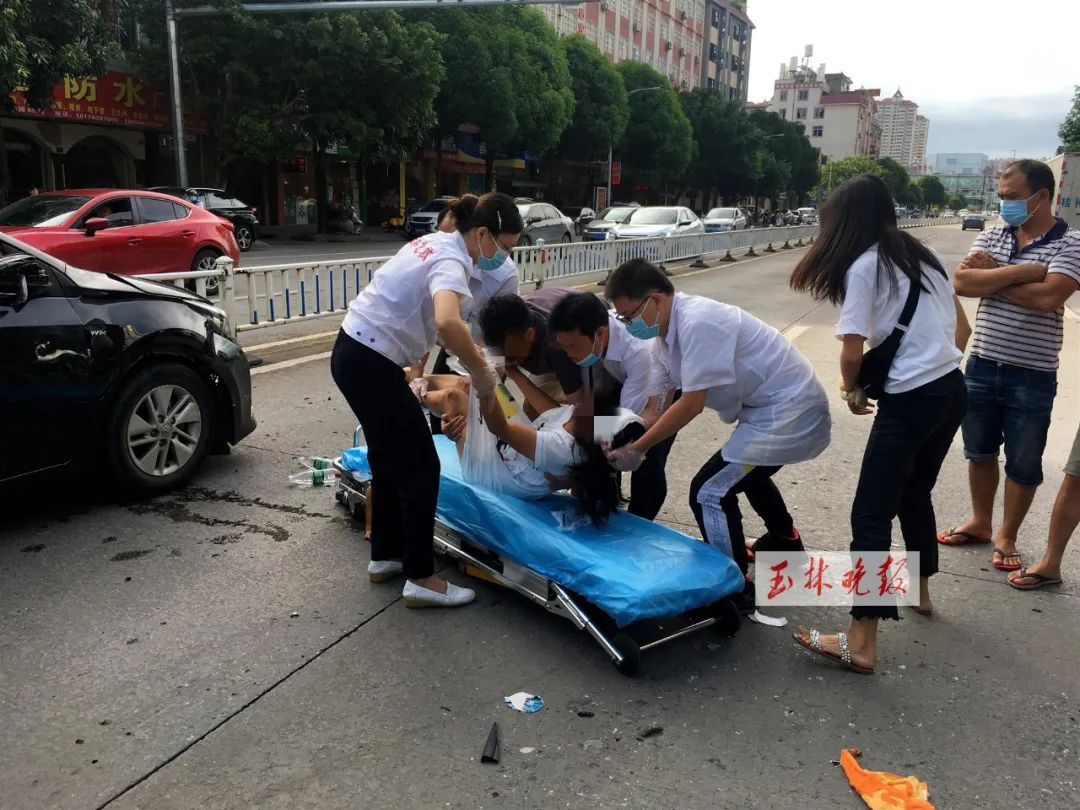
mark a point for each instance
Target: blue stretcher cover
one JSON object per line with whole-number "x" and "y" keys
{"x": 631, "y": 568}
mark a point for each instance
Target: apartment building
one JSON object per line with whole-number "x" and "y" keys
{"x": 667, "y": 35}
{"x": 903, "y": 132}
{"x": 838, "y": 119}
{"x": 726, "y": 60}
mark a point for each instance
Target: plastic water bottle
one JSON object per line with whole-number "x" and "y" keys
{"x": 317, "y": 463}
{"x": 313, "y": 478}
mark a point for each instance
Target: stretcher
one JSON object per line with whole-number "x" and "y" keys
{"x": 632, "y": 584}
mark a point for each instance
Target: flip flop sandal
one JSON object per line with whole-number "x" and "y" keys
{"x": 1006, "y": 555}
{"x": 844, "y": 658}
{"x": 1041, "y": 581}
{"x": 969, "y": 538}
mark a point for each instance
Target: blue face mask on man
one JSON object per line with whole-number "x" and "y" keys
{"x": 491, "y": 263}
{"x": 591, "y": 359}
{"x": 1015, "y": 212}
{"x": 641, "y": 330}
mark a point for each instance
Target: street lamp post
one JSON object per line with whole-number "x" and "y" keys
{"x": 611, "y": 143}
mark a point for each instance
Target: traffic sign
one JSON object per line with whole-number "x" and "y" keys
{"x": 616, "y": 172}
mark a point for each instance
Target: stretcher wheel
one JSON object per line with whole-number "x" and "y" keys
{"x": 631, "y": 653}
{"x": 728, "y": 619}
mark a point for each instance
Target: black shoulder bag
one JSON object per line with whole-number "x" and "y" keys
{"x": 877, "y": 362}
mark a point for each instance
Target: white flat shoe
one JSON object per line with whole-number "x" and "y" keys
{"x": 382, "y": 570}
{"x": 419, "y": 597}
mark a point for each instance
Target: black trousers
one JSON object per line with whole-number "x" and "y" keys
{"x": 648, "y": 483}
{"x": 714, "y": 499}
{"x": 404, "y": 464}
{"x": 908, "y": 442}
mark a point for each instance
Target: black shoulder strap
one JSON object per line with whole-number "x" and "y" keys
{"x": 909, "y": 306}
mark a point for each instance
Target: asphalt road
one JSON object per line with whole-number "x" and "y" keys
{"x": 222, "y": 648}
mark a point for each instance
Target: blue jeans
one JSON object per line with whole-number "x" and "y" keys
{"x": 1008, "y": 404}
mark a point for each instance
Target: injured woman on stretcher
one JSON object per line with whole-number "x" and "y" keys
{"x": 530, "y": 459}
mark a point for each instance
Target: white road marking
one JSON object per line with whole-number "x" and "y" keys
{"x": 793, "y": 333}
{"x": 289, "y": 341}
{"x": 290, "y": 363}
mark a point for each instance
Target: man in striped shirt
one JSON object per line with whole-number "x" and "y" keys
{"x": 1023, "y": 272}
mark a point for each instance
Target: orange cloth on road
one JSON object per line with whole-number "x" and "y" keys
{"x": 884, "y": 791}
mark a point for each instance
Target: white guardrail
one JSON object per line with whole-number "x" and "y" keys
{"x": 257, "y": 297}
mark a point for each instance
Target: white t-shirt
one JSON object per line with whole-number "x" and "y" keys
{"x": 395, "y": 313}
{"x": 753, "y": 376}
{"x": 556, "y": 451}
{"x": 870, "y": 309}
{"x": 629, "y": 362}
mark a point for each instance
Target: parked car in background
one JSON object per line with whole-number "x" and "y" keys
{"x": 808, "y": 215}
{"x": 242, "y": 216}
{"x": 121, "y": 231}
{"x": 543, "y": 221}
{"x": 608, "y": 219}
{"x": 102, "y": 369}
{"x": 426, "y": 218}
{"x": 974, "y": 221}
{"x": 661, "y": 220}
{"x": 581, "y": 216}
{"x": 719, "y": 220}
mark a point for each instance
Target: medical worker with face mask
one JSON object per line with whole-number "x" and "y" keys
{"x": 418, "y": 295}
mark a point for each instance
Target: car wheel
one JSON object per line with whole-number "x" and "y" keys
{"x": 160, "y": 428}
{"x": 205, "y": 259}
{"x": 245, "y": 237}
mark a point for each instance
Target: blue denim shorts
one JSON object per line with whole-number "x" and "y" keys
{"x": 1011, "y": 405}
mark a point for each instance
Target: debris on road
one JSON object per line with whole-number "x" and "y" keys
{"x": 770, "y": 621}
{"x": 524, "y": 702}
{"x": 492, "y": 747}
{"x": 882, "y": 790}
{"x": 651, "y": 731}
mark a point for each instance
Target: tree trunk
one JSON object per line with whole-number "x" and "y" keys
{"x": 320, "y": 183}
{"x": 5, "y": 174}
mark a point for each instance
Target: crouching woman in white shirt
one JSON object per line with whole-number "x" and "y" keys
{"x": 418, "y": 294}
{"x": 867, "y": 265}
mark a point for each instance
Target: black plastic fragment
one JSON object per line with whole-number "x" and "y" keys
{"x": 491, "y": 749}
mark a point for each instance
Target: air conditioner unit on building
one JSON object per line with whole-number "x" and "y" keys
{"x": 667, "y": 46}
{"x": 637, "y": 26}
{"x": 682, "y": 15}
{"x": 682, "y": 51}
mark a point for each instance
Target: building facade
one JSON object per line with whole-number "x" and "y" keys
{"x": 838, "y": 119}
{"x": 960, "y": 163}
{"x": 903, "y": 132}
{"x": 667, "y": 35}
{"x": 725, "y": 61}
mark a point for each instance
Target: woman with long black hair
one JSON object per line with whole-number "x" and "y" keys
{"x": 888, "y": 283}
{"x": 416, "y": 296}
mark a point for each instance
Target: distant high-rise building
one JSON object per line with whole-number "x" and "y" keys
{"x": 669, "y": 37}
{"x": 725, "y": 62}
{"x": 903, "y": 132}
{"x": 838, "y": 119}
{"x": 971, "y": 163}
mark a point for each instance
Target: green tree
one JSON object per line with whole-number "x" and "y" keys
{"x": 772, "y": 175}
{"x": 933, "y": 191}
{"x": 658, "y": 142}
{"x": 895, "y": 177}
{"x": 725, "y": 157}
{"x": 911, "y": 196}
{"x": 41, "y": 43}
{"x": 601, "y": 109}
{"x": 1069, "y": 132}
{"x": 787, "y": 141}
{"x": 267, "y": 85}
{"x": 956, "y": 202}
{"x": 835, "y": 172}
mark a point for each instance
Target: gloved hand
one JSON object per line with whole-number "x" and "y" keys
{"x": 484, "y": 381}
{"x": 623, "y": 459}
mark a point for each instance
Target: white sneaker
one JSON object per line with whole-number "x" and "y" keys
{"x": 382, "y": 570}
{"x": 419, "y": 597}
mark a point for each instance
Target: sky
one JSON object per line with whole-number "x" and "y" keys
{"x": 992, "y": 76}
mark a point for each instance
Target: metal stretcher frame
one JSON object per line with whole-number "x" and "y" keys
{"x": 621, "y": 646}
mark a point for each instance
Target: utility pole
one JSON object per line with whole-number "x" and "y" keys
{"x": 173, "y": 14}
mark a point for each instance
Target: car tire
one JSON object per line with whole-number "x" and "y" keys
{"x": 245, "y": 237}
{"x": 153, "y": 404}
{"x": 204, "y": 260}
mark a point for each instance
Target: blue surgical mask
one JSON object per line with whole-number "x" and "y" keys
{"x": 641, "y": 330}
{"x": 1015, "y": 212}
{"x": 591, "y": 360}
{"x": 493, "y": 263}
